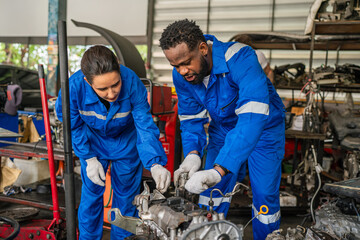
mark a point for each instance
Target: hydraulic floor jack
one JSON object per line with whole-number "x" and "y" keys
{"x": 39, "y": 228}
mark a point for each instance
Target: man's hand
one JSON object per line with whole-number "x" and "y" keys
{"x": 161, "y": 176}
{"x": 190, "y": 165}
{"x": 203, "y": 180}
{"x": 95, "y": 171}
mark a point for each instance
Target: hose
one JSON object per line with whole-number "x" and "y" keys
{"x": 109, "y": 198}
{"x": 318, "y": 169}
{"x": 233, "y": 192}
{"x": 15, "y": 225}
{"x": 250, "y": 221}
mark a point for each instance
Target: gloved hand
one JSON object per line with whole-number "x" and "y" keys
{"x": 161, "y": 176}
{"x": 190, "y": 165}
{"x": 203, "y": 180}
{"x": 95, "y": 171}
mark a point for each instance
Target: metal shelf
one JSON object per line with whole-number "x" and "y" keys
{"x": 353, "y": 88}
{"x": 351, "y": 29}
{"x": 287, "y": 41}
{"x": 318, "y": 45}
{"x": 337, "y": 27}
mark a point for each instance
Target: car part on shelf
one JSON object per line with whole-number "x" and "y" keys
{"x": 351, "y": 71}
{"x": 290, "y": 75}
{"x": 345, "y": 74}
{"x": 332, "y": 10}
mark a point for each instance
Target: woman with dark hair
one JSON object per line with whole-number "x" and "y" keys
{"x": 111, "y": 122}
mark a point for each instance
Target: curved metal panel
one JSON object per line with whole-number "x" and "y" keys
{"x": 125, "y": 50}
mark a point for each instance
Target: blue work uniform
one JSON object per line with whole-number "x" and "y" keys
{"x": 247, "y": 123}
{"x": 124, "y": 134}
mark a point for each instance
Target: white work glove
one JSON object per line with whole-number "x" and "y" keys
{"x": 95, "y": 171}
{"x": 161, "y": 176}
{"x": 203, "y": 180}
{"x": 190, "y": 165}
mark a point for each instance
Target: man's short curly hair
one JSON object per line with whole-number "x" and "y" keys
{"x": 181, "y": 31}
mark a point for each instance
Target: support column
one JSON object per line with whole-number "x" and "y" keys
{"x": 57, "y": 11}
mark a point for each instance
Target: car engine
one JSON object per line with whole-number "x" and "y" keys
{"x": 174, "y": 218}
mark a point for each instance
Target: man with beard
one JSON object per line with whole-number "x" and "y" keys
{"x": 226, "y": 81}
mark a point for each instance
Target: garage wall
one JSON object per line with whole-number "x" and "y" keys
{"x": 229, "y": 17}
{"x": 27, "y": 21}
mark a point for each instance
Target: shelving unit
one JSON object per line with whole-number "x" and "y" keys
{"x": 335, "y": 35}
{"x": 337, "y": 27}
{"x": 326, "y": 36}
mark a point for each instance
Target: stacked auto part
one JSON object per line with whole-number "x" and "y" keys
{"x": 342, "y": 74}
{"x": 290, "y": 75}
{"x": 332, "y": 10}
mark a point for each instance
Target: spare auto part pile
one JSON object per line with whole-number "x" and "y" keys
{"x": 346, "y": 128}
{"x": 333, "y": 10}
{"x": 345, "y": 74}
{"x": 331, "y": 223}
{"x": 337, "y": 219}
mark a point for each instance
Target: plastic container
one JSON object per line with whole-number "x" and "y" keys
{"x": 32, "y": 170}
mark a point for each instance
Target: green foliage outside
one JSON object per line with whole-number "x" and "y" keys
{"x": 143, "y": 51}
{"x": 29, "y": 56}
{"x": 18, "y": 55}
{"x": 74, "y": 57}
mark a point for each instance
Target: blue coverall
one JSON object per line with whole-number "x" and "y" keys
{"x": 124, "y": 135}
{"x": 247, "y": 123}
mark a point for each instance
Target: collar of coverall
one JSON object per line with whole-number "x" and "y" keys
{"x": 91, "y": 96}
{"x": 219, "y": 65}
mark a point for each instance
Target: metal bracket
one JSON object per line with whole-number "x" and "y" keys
{"x": 127, "y": 223}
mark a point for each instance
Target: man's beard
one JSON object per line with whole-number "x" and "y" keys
{"x": 199, "y": 77}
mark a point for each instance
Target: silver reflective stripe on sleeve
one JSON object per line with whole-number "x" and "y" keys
{"x": 266, "y": 219}
{"x": 92, "y": 113}
{"x": 232, "y": 50}
{"x": 121, "y": 115}
{"x": 217, "y": 201}
{"x": 202, "y": 114}
{"x": 253, "y": 107}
